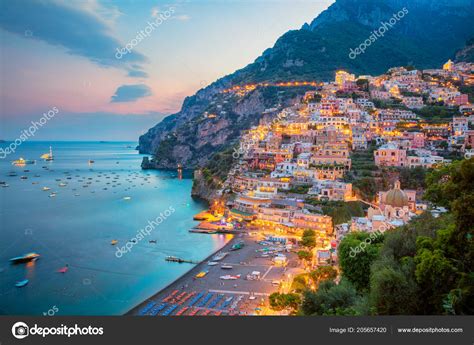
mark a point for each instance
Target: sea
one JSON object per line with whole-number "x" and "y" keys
{"x": 97, "y": 194}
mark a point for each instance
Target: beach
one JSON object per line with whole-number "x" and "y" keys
{"x": 239, "y": 296}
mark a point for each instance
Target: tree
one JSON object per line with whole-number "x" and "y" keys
{"x": 309, "y": 238}
{"x": 413, "y": 178}
{"x": 323, "y": 273}
{"x": 452, "y": 186}
{"x": 331, "y": 299}
{"x": 357, "y": 251}
{"x": 305, "y": 255}
{"x": 393, "y": 290}
{"x": 366, "y": 187}
{"x": 300, "y": 282}
{"x": 279, "y": 301}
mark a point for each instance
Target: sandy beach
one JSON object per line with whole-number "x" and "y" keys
{"x": 211, "y": 295}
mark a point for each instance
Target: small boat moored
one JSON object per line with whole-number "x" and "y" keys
{"x": 202, "y": 274}
{"x": 22, "y": 161}
{"x": 219, "y": 256}
{"x": 63, "y": 269}
{"x": 238, "y": 246}
{"x": 22, "y": 283}
{"x": 25, "y": 258}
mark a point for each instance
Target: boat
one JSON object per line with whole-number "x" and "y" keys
{"x": 229, "y": 277}
{"x": 22, "y": 283}
{"x": 212, "y": 263}
{"x": 227, "y": 267}
{"x": 219, "y": 256}
{"x": 202, "y": 231}
{"x": 180, "y": 260}
{"x": 63, "y": 269}
{"x": 202, "y": 274}
{"x": 127, "y": 198}
{"x": 25, "y": 258}
{"x": 52, "y": 195}
{"x": 4, "y": 185}
{"x": 113, "y": 242}
{"x": 12, "y": 174}
{"x": 24, "y": 177}
{"x": 48, "y": 156}
{"x": 22, "y": 161}
{"x": 62, "y": 184}
{"x": 91, "y": 161}
{"x": 45, "y": 189}
{"x": 152, "y": 241}
{"x": 237, "y": 246}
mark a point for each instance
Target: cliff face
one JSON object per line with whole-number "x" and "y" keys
{"x": 429, "y": 34}
{"x": 201, "y": 189}
{"x": 208, "y": 122}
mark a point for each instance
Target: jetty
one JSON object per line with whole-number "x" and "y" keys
{"x": 180, "y": 260}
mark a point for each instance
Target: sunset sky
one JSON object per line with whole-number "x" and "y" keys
{"x": 64, "y": 54}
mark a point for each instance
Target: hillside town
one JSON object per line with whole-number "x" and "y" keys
{"x": 293, "y": 168}
{"x": 349, "y": 157}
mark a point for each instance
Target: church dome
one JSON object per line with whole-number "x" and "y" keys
{"x": 396, "y": 197}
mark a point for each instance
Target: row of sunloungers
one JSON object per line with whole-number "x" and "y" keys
{"x": 196, "y": 306}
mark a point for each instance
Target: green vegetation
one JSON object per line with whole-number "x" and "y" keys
{"x": 340, "y": 211}
{"x": 357, "y": 252}
{"x": 437, "y": 113}
{"x": 331, "y": 299}
{"x": 280, "y": 301}
{"x": 165, "y": 149}
{"x": 391, "y": 103}
{"x": 299, "y": 189}
{"x": 323, "y": 273}
{"x": 413, "y": 178}
{"x": 423, "y": 267}
{"x": 309, "y": 238}
{"x": 300, "y": 283}
{"x": 304, "y": 255}
{"x": 366, "y": 188}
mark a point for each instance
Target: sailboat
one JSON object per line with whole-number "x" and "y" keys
{"x": 48, "y": 156}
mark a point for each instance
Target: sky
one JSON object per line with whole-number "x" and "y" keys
{"x": 113, "y": 69}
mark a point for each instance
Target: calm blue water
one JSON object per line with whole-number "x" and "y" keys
{"x": 76, "y": 227}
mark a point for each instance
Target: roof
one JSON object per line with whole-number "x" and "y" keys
{"x": 396, "y": 197}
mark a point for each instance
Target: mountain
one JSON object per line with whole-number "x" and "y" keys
{"x": 422, "y": 33}
{"x": 466, "y": 54}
